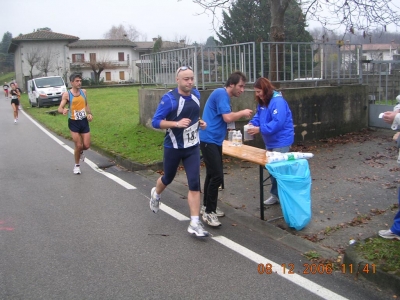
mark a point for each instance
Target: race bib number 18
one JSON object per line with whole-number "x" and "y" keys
{"x": 190, "y": 135}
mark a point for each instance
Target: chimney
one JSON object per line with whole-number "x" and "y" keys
{"x": 155, "y": 39}
{"x": 182, "y": 42}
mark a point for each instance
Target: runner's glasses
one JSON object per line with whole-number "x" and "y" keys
{"x": 184, "y": 68}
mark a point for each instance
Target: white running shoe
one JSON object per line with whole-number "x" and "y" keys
{"x": 202, "y": 209}
{"x": 211, "y": 219}
{"x": 197, "y": 229}
{"x": 218, "y": 212}
{"x": 77, "y": 170}
{"x": 271, "y": 200}
{"x": 388, "y": 234}
{"x": 154, "y": 202}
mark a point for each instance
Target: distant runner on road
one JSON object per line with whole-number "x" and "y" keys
{"x": 14, "y": 101}
{"x": 5, "y": 88}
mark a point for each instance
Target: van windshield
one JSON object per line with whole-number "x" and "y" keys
{"x": 49, "y": 82}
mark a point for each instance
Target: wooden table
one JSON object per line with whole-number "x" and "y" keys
{"x": 251, "y": 154}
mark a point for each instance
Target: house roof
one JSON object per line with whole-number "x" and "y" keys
{"x": 41, "y": 35}
{"x": 379, "y": 47}
{"x": 102, "y": 43}
{"x": 166, "y": 45}
{"x": 144, "y": 45}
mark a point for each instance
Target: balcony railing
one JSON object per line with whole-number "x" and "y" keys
{"x": 86, "y": 64}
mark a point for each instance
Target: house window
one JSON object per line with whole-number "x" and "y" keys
{"x": 108, "y": 76}
{"x": 121, "y": 56}
{"x": 122, "y": 75}
{"x": 92, "y": 57}
{"x": 79, "y": 57}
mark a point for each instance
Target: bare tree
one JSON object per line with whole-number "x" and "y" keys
{"x": 132, "y": 33}
{"x": 120, "y": 32}
{"x": 143, "y": 36}
{"x": 46, "y": 62}
{"x": 98, "y": 65}
{"x": 352, "y": 15}
{"x": 32, "y": 58}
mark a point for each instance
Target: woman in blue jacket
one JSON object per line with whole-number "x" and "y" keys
{"x": 273, "y": 120}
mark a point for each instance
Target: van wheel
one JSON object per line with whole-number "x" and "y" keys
{"x": 38, "y": 104}
{"x": 30, "y": 102}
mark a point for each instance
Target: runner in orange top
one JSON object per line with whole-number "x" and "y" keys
{"x": 79, "y": 116}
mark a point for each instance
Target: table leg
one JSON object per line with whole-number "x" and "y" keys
{"x": 262, "y": 192}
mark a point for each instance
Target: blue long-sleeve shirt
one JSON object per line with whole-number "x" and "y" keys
{"x": 172, "y": 109}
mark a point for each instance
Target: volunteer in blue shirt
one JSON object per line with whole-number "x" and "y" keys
{"x": 219, "y": 117}
{"x": 274, "y": 121}
{"x": 178, "y": 112}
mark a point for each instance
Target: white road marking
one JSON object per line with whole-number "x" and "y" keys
{"x": 277, "y": 269}
{"x": 173, "y": 212}
{"x": 89, "y": 162}
{"x": 258, "y": 259}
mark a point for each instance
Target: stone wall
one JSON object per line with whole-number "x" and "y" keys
{"x": 318, "y": 112}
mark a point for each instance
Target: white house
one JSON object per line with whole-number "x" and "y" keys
{"x": 379, "y": 51}
{"x": 376, "y": 53}
{"x": 50, "y": 46}
{"x": 115, "y": 57}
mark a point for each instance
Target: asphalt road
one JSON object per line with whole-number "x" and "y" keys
{"x": 93, "y": 236}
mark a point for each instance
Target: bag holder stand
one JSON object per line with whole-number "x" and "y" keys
{"x": 262, "y": 185}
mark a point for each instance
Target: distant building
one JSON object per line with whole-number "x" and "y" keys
{"x": 29, "y": 48}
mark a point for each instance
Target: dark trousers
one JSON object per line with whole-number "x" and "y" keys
{"x": 212, "y": 156}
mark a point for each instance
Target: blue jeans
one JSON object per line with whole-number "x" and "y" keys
{"x": 274, "y": 184}
{"x": 396, "y": 222}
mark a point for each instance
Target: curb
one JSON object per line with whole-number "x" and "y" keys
{"x": 382, "y": 279}
{"x": 275, "y": 233}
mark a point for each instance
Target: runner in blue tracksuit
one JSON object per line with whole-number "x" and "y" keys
{"x": 178, "y": 112}
{"x": 274, "y": 121}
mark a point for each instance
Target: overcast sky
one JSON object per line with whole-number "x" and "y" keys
{"x": 90, "y": 19}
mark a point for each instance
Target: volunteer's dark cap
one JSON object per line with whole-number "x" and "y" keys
{"x": 74, "y": 75}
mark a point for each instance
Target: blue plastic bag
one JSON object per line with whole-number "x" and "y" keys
{"x": 294, "y": 190}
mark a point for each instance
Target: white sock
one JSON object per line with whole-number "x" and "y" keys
{"x": 194, "y": 219}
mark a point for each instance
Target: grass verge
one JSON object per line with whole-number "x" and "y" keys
{"x": 384, "y": 253}
{"x": 115, "y": 127}
{"x": 6, "y": 77}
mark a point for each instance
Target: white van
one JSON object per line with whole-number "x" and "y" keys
{"x": 46, "y": 91}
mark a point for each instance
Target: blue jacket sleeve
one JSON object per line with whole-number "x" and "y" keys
{"x": 164, "y": 108}
{"x": 256, "y": 118}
